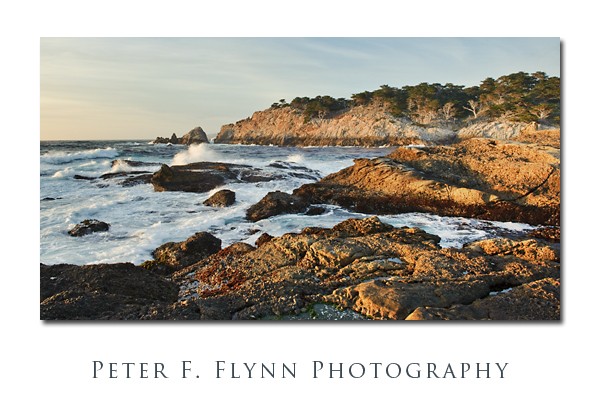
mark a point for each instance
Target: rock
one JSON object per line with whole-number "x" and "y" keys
{"x": 538, "y": 300}
{"x": 371, "y": 268}
{"x": 88, "y": 226}
{"x": 494, "y": 130}
{"x": 223, "y": 198}
{"x": 205, "y": 176}
{"x": 275, "y": 203}
{"x": 99, "y": 291}
{"x": 315, "y": 211}
{"x": 477, "y": 178}
{"x": 173, "y": 256}
{"x": 357, "y": 126}
{"x": 80, "y": 177}
{"x": 196, "y": 135}
{"x": 362, "y": 265}
{"x": 551, "y": 234}
{"x": 263, "y": 239}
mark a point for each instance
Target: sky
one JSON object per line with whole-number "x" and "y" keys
{"x": 142, "y": 88}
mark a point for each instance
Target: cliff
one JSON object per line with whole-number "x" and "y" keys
{"x": 357, "y": 126}
{"x": 196, "y": 135}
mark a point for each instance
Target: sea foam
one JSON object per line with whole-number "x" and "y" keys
{"x": 62, "y": 157}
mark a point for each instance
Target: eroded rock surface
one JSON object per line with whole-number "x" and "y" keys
{"x": 477, "y": 178}
{"x": 357, "y": 126}
{"x": 367, "y": 266}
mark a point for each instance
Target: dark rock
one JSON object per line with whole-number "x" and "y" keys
{"x": 88, "y": 226}
{"x": 315, "y": 211}
{"x": 177, "y": 179}
{"x": 275, "y": 203}
{"x": 551, "y": 234}
{"x": 204, "y": 176}
{"x": 80, "y": 177}
{"x": 263, "y": 239}
{"x": 173, "y": 256}
{"x": 99, "y": 291}
{"x": 538, "y": 300}
{"x": 223, "y": 198}
{"x": 132, "y": 163}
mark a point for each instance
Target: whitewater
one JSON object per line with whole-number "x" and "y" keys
{"x": 72, "y": 190}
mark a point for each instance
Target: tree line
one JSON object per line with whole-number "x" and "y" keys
{"x": 518, "y": 97}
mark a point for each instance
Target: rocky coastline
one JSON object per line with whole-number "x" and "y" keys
{"x": 361, "y": 268}
{"x": 357, "y": 126}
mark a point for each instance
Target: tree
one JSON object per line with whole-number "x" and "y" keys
{"x": 476, "y": 107}
{"x": 448, "y": 111}
{"x": 542, "y": 111}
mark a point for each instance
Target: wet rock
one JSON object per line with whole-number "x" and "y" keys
{"x": 315, "y": 211}
{"x": 205, "y": 176}
{"x": 275, "y": 203}
{"x": 81, "y": 177}
{"x": 173, "y": 256}
{"x": 88, "y": 226}
{"x": 223, "y": 198}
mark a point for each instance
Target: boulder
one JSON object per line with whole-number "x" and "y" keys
{"x": 203, "y": 177}
{"x": 173, "y": 256}
{"x": 196, "y": 135}
{"x": 88, "y": 226}
{"x": 263, "y": 239}
{"x": 223, "y": 198}
{"x": 275, "y": 203}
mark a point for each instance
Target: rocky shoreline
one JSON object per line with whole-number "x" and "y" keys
{"x": 360, "y": 268}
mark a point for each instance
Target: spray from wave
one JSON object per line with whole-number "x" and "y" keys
{"x": 196, "y": 153}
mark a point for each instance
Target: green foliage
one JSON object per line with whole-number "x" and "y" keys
{"x": 517, "y": 97}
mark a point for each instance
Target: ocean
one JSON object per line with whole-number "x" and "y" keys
{"x": 72, "y": 189}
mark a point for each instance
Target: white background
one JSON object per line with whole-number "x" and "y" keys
{"x": 551, "y": 365}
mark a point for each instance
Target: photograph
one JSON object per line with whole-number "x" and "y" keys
{"x": 300, "y": 179}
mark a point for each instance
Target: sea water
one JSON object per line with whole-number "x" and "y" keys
{"x": 141, "y": 219}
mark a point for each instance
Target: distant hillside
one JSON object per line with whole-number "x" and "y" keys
{"x": 398, "y": 116}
